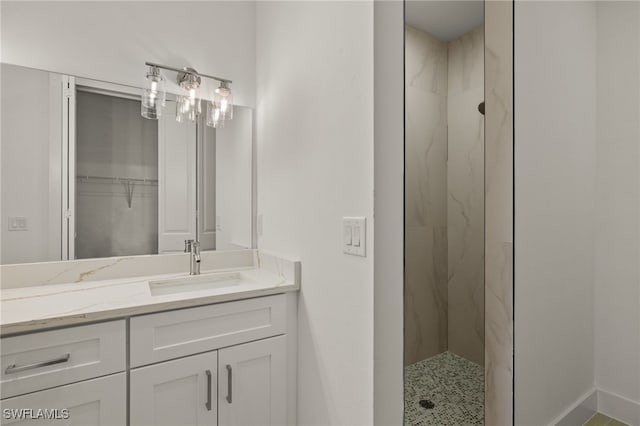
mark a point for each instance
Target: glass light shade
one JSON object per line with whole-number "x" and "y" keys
{"x": 223, "y": 100}
{"x": 154, "y": 95}
{"x": 214, "y": 116}
{"x": 187, "y": 108}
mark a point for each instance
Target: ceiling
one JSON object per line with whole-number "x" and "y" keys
{"x": 444, "y": 19}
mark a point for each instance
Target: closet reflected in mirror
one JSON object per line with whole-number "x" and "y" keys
{"x": 444, "y": 213}
{"x": 84, "y": 175}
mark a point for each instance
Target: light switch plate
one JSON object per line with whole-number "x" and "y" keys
{"x": 356, "y": 245}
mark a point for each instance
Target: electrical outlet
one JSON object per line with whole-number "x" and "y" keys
{"x": 17, "y": 223}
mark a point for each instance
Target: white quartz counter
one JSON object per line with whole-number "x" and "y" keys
{"x": 53, "y": 305}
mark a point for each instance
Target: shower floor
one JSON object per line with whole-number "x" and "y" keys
{"x": 454, "y": 385}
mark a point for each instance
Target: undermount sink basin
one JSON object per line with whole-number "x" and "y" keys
{"x": 194, "y": 283}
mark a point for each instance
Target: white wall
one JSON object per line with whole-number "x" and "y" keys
{"x": 233, "y": 181}
{"x": 112, "y": 40}
{"x": 315, "y": 165}
{"x": 388, "y": 398}
{"x": 617, "y": 277}
{"x": 555, "y": 115}
{"x": 31, "y": 158}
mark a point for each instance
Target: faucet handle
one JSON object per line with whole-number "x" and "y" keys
{"x": 187, "y": 245}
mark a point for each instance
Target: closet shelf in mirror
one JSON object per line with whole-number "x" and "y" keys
{"x": 129, "y": 183}
{"x": 113, "y": 179}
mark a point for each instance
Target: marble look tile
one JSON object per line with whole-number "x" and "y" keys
{"x": 425, "y": 196}
{"x": 425, "y": 293}
{"x": 425, "y": 62}
{"x": 499, "y": 122}
{"x": 465, "y": 178}
{"x": 466, "y": 62}
{"x": 499, "y": 333}
{"x": 499, "y": 213}
{"x": 426, "y": 155}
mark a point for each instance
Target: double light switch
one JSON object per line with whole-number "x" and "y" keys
{"x": 354, "y": 235}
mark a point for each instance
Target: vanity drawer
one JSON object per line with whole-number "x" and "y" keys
{"x": 52, "y": 358}
{"x": 168, "y": 335}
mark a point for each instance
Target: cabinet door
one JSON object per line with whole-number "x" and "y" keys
{"x": 252, "y": 384}
{"x": 181, "y": 392}
{"x": 97, "y": 402}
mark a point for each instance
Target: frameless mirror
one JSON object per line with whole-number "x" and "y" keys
{"x": 444, "y": 213}
{"x": 84, "y": 175}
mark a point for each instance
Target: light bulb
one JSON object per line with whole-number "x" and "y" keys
{"x": 223, "y": 101}
{"x": 154, "y": 95}
{"x": 214, "y": 116}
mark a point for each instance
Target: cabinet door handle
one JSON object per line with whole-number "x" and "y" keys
{"x": 15, "y": 369}
{"x": 208, "y": 403}
{"x": 229, "y": 384}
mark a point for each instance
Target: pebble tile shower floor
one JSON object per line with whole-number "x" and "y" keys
{"x": 454, "y": 385}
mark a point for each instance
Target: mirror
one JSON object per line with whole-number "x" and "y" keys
{"x": 84, "y": 175}
{"x": 444, "y": 213}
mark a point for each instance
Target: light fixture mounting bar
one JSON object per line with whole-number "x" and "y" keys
{"x": 166, "y": 67}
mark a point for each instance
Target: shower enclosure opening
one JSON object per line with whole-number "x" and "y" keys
{"x": 444, "y": 213}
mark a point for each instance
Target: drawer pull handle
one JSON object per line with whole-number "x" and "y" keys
{"x": 229, "y": 384}
{"x": 208, "y": 403}
{"x": 15, "y": 369}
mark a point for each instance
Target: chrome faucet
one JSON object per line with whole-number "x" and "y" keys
{"x": 193, "y": 248}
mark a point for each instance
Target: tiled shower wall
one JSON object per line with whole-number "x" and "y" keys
{"x": 465, "y": 183}
{"x": 425, "y": 307}
{"x": 444, "y": 203}
{"x": 499, "y": 213}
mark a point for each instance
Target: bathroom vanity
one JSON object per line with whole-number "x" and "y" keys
{"x": 101, "y": 319}
{"x": 214, "y": 349}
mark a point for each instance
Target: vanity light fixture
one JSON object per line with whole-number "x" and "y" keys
{"x": 188, "y": 104}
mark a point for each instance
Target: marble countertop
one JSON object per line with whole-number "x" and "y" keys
{"x": 40, "y": 307}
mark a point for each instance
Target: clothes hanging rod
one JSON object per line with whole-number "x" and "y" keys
{"x": 188, "y": 71}
{"x": 117, "y": 179}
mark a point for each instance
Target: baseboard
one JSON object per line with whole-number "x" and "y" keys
{"x": 580, "y": 411}
{"x": 619, "y": 407}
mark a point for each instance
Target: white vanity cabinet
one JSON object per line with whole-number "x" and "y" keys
{"x": 71, "y": 376}
{"x": 179, "y": 392}
{"x": 96, "y": 402}
{"x": 242, "y": 385}
{"x": 221, "y": 364}
{"x": 252, "y": 384}
{"x": 226, "y": 364}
